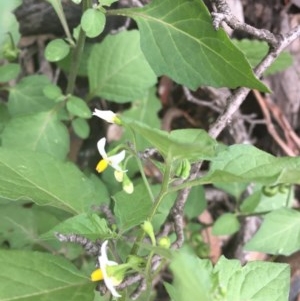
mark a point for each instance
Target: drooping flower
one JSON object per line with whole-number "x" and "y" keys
{"x": 114, "y": 160}
{"x": 103, "y": 273}
{"x": 108, "y": 116}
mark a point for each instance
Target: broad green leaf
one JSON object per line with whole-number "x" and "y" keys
{"x": 246, "y": 163}
{"x": 132, "y": 210}
{"x": 192, "y": 278}
{"x": 193, "y": 144}
{"x": 107, "y": 2}
{"x": 226, "y": 224}
{"x": 178, "y": 40}
{"x": 45, "y": 181}
{"x": 56, "y": 50}
{"x": 8, "y": 24}
{"x": 87, "y": 225}
{"x": 234, "y": 189}
{"x": 34, "y": 276}
{"x": 93, "y": 22}
{"x": 255, "y": 51}
{"x": 196, "y": 202}
{"x": 278, "y": 234}
{"x": 21, "y": 224}
{"x": 78, "y": 107}
{"x": 40, "y": 132}
{"x": 27, "y": 97}
{"x": 4, "y": 116}
{"x": 118, "y": 70}
{"x": 53, "y": 92}
{"x": 257, "y": 281}
{"x": 9, "y": 72}
{"x": 81, "y": 127}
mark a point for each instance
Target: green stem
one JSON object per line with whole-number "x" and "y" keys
{"x": 76, "y": 54}
{"x": 162, "y": 193}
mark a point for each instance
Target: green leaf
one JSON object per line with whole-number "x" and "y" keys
{"x": 192, "y": 278}
{"x": 93, "y": 22}
{"x": 107, "y": 2}
{"x": 9, "y": 72}
{"x": 27, "y": 97}
{"x": 132, "y": 211}
{"x": 259, "y": 281}
{"x": 178, "y": 40}
{"x": 21, "y": 224}
{"x": 88, "y": 225}
{"x": 193, "y": 144}
{"x": 196, "y": 202}
{"x": 246, "y": 163}
{"x": 4, "y": 116}
{"x": 118, "y": 70}
{"x": 255, "y": 51}
{"x": 278, "y": 234}
{"x": 40, "y": 132}
{"x": 78, "y": 107}
{"x": 56, "y": 50}
{"x": 226, "y": 224}
{"x": 81, "y": 127}
{"x": 45, "y": 181}
{"x": 53, "y": 92}
{"x": 8, "y": 23}
{"x": 33, "y": 276}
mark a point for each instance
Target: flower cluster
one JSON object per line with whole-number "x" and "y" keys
{"x": 114, "y": 160}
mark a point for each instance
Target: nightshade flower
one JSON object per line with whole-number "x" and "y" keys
{"x": 108, "y": 116}
{"x": 114, "y": 161}
{"x": 104, "y": 272}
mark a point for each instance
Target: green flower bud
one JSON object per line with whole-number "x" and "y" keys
{"x": 183, "y": 169}
{"x": 164, "y": 242}
{"x": 148, "y": 228}
{"x": 127, "y": 184}
{"x": 270, "y": 190}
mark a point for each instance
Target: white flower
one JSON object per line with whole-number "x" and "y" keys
{"x": 102, "y": 272}
{"x": 108, "y": 116}
{"x": 114, "y": 161}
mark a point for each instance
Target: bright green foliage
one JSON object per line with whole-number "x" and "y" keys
{"x": 42, "y": 179}
{"x": 107, "y": 2}
{"x": 8, "y": 72}
{"x": 255, "y": 51}
{"x": 40, "y": 132}
{"x": 245, "y": 163}
{"x": 279, "y": 233}
{"x": 37, "y": 276}
{"x": 259, "y": 281}
{"x": 78, "y": 107}
{"x": 8, "y": 24}
{"x": 81, "y": 127}
{"x": 179, "y": 144}
{"x": 192, "y": 278}
{"x": 178, "y": 40}
{"x": 56, "y": 50}
{"x": 93, "y": 22}
{"x": 27, "y": 97}
{"x": 88, "y": 225}
{"x": 53, "y": 92}
{"x": 226, "y": 224}
{"x": 21, "y": 225}
{"x": 118, "y": 70}
{"x": 133, "y": 210}
{"x": 195, "y": 279}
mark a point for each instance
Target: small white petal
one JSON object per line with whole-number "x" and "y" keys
{"x": 115, "y": 160}
{"x": 108, "y": 116}
{"x": 104, "y": 262}
{"x": 101, "y": 147}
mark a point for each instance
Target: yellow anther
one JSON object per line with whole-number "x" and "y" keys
{"x": 97, "y": 275}
{"x": 102, "y": 165}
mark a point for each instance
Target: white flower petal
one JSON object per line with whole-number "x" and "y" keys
{"x": 108, "y": 116}
{"x": 115, "y": 160}
{"x": 104, "y": 262}
{"x": 101, "y": 147}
